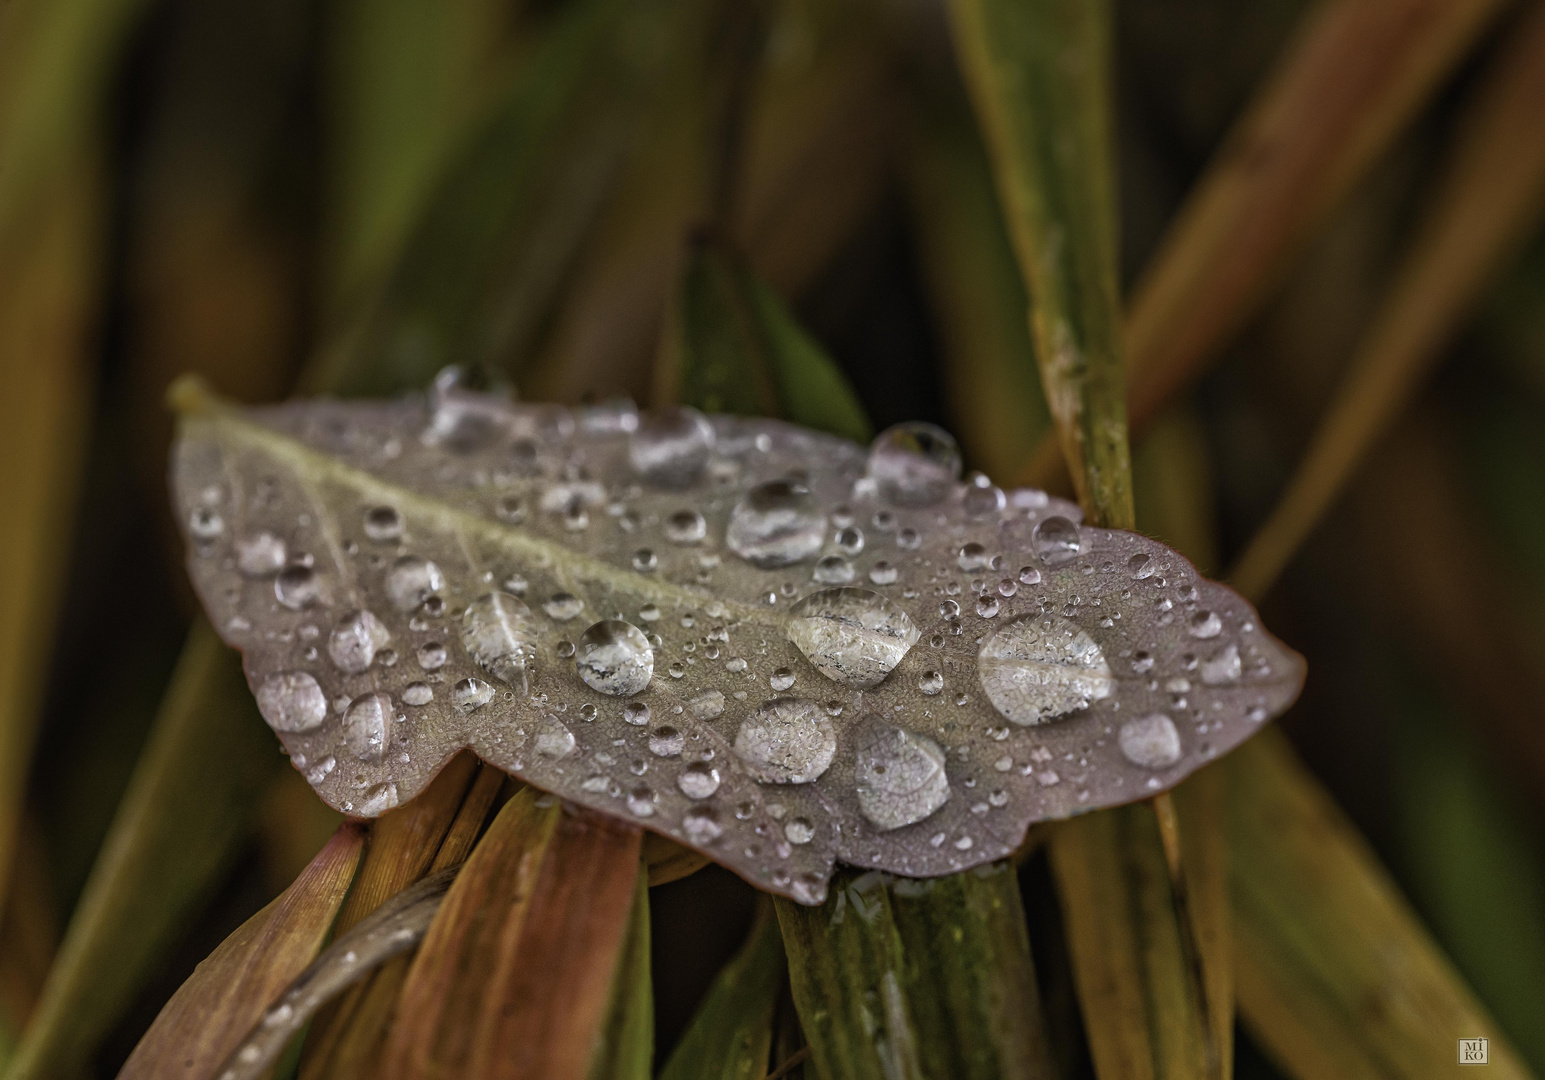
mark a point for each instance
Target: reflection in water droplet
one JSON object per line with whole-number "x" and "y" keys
{"x": 781, "y": 679}
{"x": 412, "y": 580}
{"x": 562, "y": 606}
{"x": 1150, "y": 741}
{"x": 292, "y": 701}
{"x": 1029, "y": 575}
{"x": 500, "y": 634}
{"x": 666, "y": 741}
{"x": 901, "y": 778}
{"x": 930, "y": 682}
{"x": 469, "y": 694}
{"x": 1055, "y": 540}
{"x": 1037, "y": 667}
{"x": 671, "y": 447}
{"x": 383, "y": 523}
{"x": 852, "y": 636}
{"x": 914, "y": 464}
{"x": 1205, "y": 624}
{"x": 776, "y": 524}
{"x": 260, "y": 555}
{"x": 553, "y": 739}
{"x": 614, "y": 657}
{"x": 786, "y": 741}
{"x": 354, "y": 641}
{"x": 417, "y": 693}
{"x": 297, "y": 587}
{"x": 1223, "y": 667}
{"x": 987, "y": 606}
{"x": 698, "y": 780}
{"x": 1140, "y": 566}
{"x": 364, "y": 725}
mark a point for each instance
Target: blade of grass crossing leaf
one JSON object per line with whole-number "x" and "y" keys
{"x": 206, "y": 1020}
{"x": 625, "y": 1049}
{"x": 1040, "y": 79}
{"x": 175, "y": 833}
{"x": 1485, "y": 207}
{"x": 731, "y": 1034}
{"x": 1337, "y": 977}
{"x": 809, "y": 385}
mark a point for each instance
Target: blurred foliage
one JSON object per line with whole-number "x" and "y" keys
{"x": 841, "y": 212}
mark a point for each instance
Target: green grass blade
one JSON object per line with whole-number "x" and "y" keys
{"x": 810, "y": 386}
{"x": 181, "y": 823}
{"x": 731, "y": 1033}
{"x": 626, "y": 1041}
{"x": 1040, "y": 78}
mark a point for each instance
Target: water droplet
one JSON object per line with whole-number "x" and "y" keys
{"x": 914, "y": 464}
{"x": 883, "y": 573}
{"x": 500, "y": 634}
{"x": 645, "y": 561}
{"x": 852, "y": 636}
{"x": 205, "y": 524}
{"x": 987, "y": 606}
{"x": 412, "y": 580}
{"x": 1036, "y": 667}
{"x": 354, "y": 641}
{"x": 982, "y": 499}
{"x": 786, "y": 741}
{"x": 708, "y": 705}
{"x": 511, "y": 509}
{"x": 702, "y": 824}
{"x": 908, "y": 539}
{"x": 260, "y": 555}
{"x": 901, "y": 778}
{"x": 641, "y": 801}
{"x": 685, "y": 527}
{"x": 417, "y": 693}
{"x": 431, "y": 656}
{"x": 972, "y": 556}
{"x": 636, "y": 713}
{"x": 833, "y": 570}
{"x": 1029, "y": 575}
{"x": 1223, "y": 667}
{"x": 297, "y": 587}
{"x": 698, "y": 780}
{"x": 378, "y": 800}
{"x": 671, "y": 447}
{"x": 1007, "y": 587}
{"x": 781, "y": 679}
{"x": 930, "y": 682}
{"x": 553, "y": 739}
{"x": 469, "y": 694}
{"x": 562, "y": 606}
{"x": 364, "y": 725}
{"x": 1150, "y": 741}
{"x": 949, "y": 609}
{"x": 1055, "y": 540}
{"x": 383, "y": 523}
{"x": 851, "y": 540}
{"x": 666, "y": 742}
{"x": 321, "y": 770}
{"x": 1205, "y": 624}
{"x": 799, "y": 831}
{"x": 776, "y": 524}
{"x": 614, "y": 657}
{"x": 292, "y": 701}
{"x": 1141, "y": 566}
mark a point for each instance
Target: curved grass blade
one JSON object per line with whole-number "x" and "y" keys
{"x": 1337, "y": 977}
{"x": 1355, "y": 75}
{"x": 174, "y": 835}
{"x": 1040, "y": 78}
{"x": 731, "y": 1034}
{"x": 207, "y": 1020}
{"x": 1485, "y": 206}
{"x": 545, "y": 891}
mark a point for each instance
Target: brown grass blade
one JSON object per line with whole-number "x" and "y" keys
{"x": 546, "y": 891}
{"x": 29, "y": 934}
{"x": 1355, "y": 75}
{"x": 1484, "y": 207}
{"x": 206, "y": 1020}
{"x": 1337, "y": 977}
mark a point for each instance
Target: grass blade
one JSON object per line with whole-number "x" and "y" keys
{"x": 1484, "y": 207}
{"x": 1040, "y": 79}
{"x": 174, "y": 835}
{"x": 730, "y": 1036}
{"x": 626, "y": 1040}
{"x": 210, "y": 1015}
{"x": 1337, "y": 977}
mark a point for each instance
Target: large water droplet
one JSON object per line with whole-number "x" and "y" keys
{"x": 1150, "y": 741}
{"x": 364, "y": 725}
{"x": 786, "y": 741}
{"x": 260, "y": 555}
{"x": 354, "y": 641}
{"x": 553, "y": 739}
{"x": 297, "y": 587}
{"x": 292, "y": 701}
{"x": 1055, "y": 540}
{"x": 671, "y": 447}
{"x": 412, "y": 580}
{"x": 614, "y": 657}
{"x": 1037, "y": 667}
{"x": 901, "y": 778}
{"x": 500, "y": 634}
{"x": 776, "y": 524}
{"x": 914, "y": 464}
{"x": 852, "y": 636}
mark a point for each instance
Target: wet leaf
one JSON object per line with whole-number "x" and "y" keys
{"x": 433, "y": 561}
{"x": 206, "y": 1021}
{"x": 730, "y": 1035}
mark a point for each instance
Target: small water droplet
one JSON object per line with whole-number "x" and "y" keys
{"x": 833, "y": 570}
{"x": 781, "y": 679}
{"x": 702, "y": 824}
{"x": 205, "y": 523}
{"x": 671, "y": 447}
{"x": 417, "y": 693}
{"x": 850, "y": 540}
{"x": 260, "y": 555}
{"x": 799, "y": 831}
{"x": 641, "y": 801}
{"x": 469, "y": 694}
{"x": 1150, "y": 741}
{"x": 982, "y": 499}
{"x": 412, "y": 580}
{"x": 354, "y": 641}
{"x": 1141, "y": 566}
{"x": 431, "y": 656}
{"x": 708, "y": 705}
{"x": 698, "y": 780}
{"x": 930, "y": 682}
{"x": 666, "y": 741}
{"x": 500, "y": 634}
{"x": 615, "y": 658}
{"x": 852, "y": 636}
{"x": 378, "y": 800}
{"x": 914, "y": 464}
{"x": 553, "y": 738}
{"x": 636, "y": 713}
{"x": 1205, "y": 624}
{"x": 987, "y": 606}
{"x": 685, "y": 527}
{"x": 562, "y": 606}
{"x": 776, "y": 524}
{"x": 1223, "y": 667}
{"x": 1029, "y": 575}
{"x": 786, "y": 741}
{"x": 1055, "y": 540}
{"x": 383, "y": 524}
{"x": 292, "y": 701}
{"x": 297, "y": 587}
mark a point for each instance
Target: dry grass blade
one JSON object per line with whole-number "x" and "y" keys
{"x": 1337, "y": 977}
{"x": 1352, "y": 79}
{"x": 1484, "y": 207}
{"x": 624, "y": 1047}
{"x": 730, "y": 1036}
{"x": 545, "y": 891}
{"x": 174, "y": 834}
{"x": 28, "y": 936}
{"x": 206, "y": 1020}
